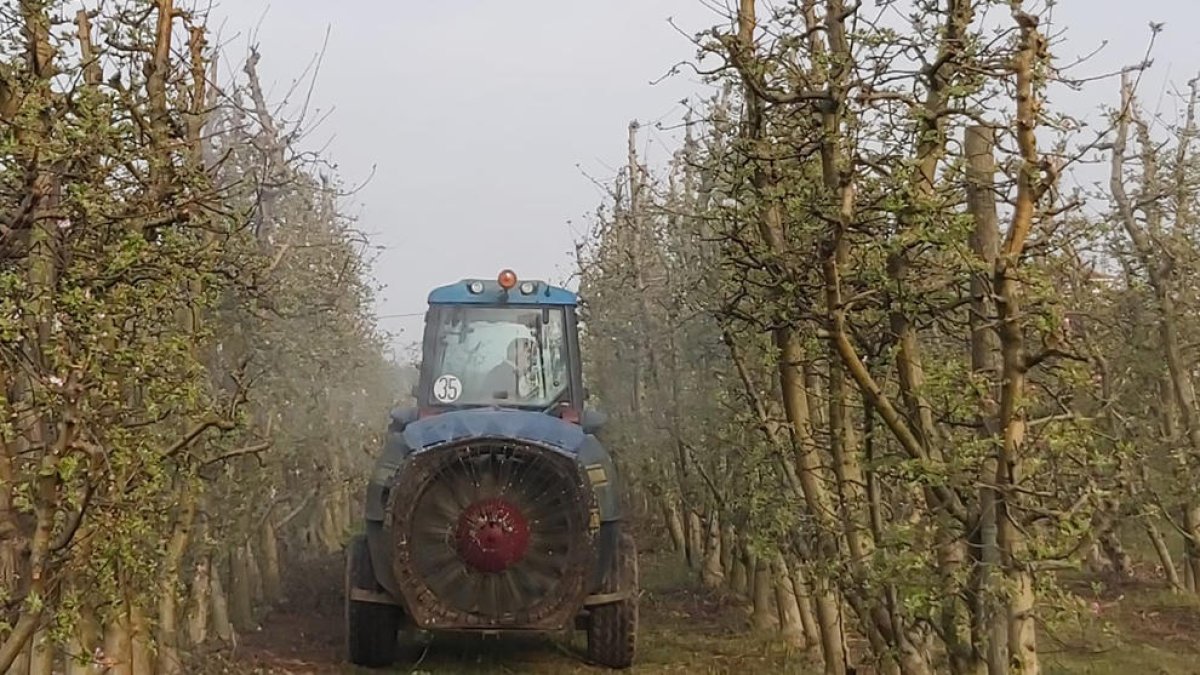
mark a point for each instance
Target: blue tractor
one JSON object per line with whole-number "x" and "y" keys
{"x": 493, "y": 507}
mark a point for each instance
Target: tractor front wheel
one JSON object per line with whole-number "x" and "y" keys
{"x": 612, "y": 628}
{"x": 371, "y": 628}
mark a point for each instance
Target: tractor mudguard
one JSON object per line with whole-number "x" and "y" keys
{"x": 602, "y": 473}
{"x": 395, "y": 450}
{"x": 517, "y": 425}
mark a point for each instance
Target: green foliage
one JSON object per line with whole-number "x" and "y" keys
{"x": 183, "y": 320}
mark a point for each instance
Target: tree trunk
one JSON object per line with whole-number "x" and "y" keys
{"x": 790, "y": 624}
{"x": 118, "y": 650}
{"x": 240, "y": 598}
{"x": 695, "y": 539}
{"x": 739, "y": 578}
{"x": 271, "y": 579}
{"x": 42, "y": 653}
{"x": 82, "y": 644}
{"x": 1161, "y": 281}
{"x": 750, "y": 563}
{"x": 1192, "y": 523}
{"x": 140, "y": 642}
{"x": 200, "y": 605}
{"x": 1189, "y": 575}
{"x": 221, "y": 624}
{"x": 808, "y": 617}
{"x": 674, "y": 523}
{"x": 169, "y": 662}
{"x": 1164, "y": 554}
{"x": 712, "y": 576}
{"x": 989, "y": 630}
{"x": 254, "y": 570}
{"x": 728, "y": 537}
{"x": 764, "y": 618}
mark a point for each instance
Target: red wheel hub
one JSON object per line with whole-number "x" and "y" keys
{"x": 492, "y": 535}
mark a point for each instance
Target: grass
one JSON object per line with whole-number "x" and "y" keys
{"x": 683, "y": 630}
{"x": 1138, "y": 627}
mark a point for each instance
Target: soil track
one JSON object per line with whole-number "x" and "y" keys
{"x": 683, "y": 630}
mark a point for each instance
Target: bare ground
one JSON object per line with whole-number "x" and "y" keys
{"x": 1135, "y": 627}
{"x": 683, "y": 630}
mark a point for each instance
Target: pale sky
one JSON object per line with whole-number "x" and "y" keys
{"x": 481, "y": 117}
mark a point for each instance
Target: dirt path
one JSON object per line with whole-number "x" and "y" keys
{"x": 683, "y": 631}
{"x": 686, "y": 630}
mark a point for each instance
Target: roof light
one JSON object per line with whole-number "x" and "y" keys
{"x": 527, "y": 287}
{"x": 507, "y": 279}
{"x": 475, "y": 287}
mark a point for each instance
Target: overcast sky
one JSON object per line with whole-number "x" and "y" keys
{"x": 476, "y": 120}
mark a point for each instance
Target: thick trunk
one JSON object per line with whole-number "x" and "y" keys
{"x": 728, "y": 537}
{"x": 118, "y": 650}
{"x": 750, "y": 562}
{"x": 989, "y": 630}
{"x": 808, "y": 617}
{"x": 739, "y": 578}
{"x": 169, "y": 587}
{"x": 695, "y": 539}
{"x": 42, "y": 653}
{"x": 140, "y": 642}
{"x": 329, "y": 534}
{"x": 1192, "y": 523}
{"x": 254, "y": 571}
{"x": 764, "y": 617}
{"x": 222, "y": 626}
{"x": 791, "y": 627}
{"x": 272, "y": 582}
{"x": 712, "y": 576}
{"x": 199, "y": 605}
{"x": 241, "y": 610}
{"x": 674, "y": 523}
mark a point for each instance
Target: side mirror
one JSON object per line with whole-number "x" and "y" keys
{"x": 402, "y": 417}
{"x": 592, "y": 420}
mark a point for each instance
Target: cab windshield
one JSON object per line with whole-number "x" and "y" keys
{"x": 512, "y": 356}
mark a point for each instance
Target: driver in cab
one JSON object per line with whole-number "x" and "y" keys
{"x": 513, "y": 378}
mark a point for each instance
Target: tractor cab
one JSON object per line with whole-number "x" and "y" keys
{"x": 506, "y": 343}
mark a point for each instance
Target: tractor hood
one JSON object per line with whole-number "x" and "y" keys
{"x": 518, "y": 425}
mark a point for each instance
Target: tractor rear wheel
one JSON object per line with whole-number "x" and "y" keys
{"x": 371, "y": 628}
{"x": 612, "y": 628}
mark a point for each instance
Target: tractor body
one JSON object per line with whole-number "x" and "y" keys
{"x": 493, "y": 507}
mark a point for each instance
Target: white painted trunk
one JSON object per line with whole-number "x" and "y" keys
{"x": 764, "y": 617}
{"x": 791, "y": 626}
{"x": 711, "y": 575}
{"x": 222, "y": 626}
{"x": 201, "y": 602}
{"x": 271, "y": 579}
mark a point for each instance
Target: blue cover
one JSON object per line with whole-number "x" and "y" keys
{"x": 522, "y": 425}
{"x": 544, "y": 294}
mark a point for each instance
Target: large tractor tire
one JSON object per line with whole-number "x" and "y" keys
{"x": 612, "y": 628}
{"x": 372, "y": 629}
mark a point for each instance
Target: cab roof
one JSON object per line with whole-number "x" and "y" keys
{"x": 489, "y": 292}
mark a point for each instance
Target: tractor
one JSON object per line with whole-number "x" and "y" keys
{"x": 492, "y": 507}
